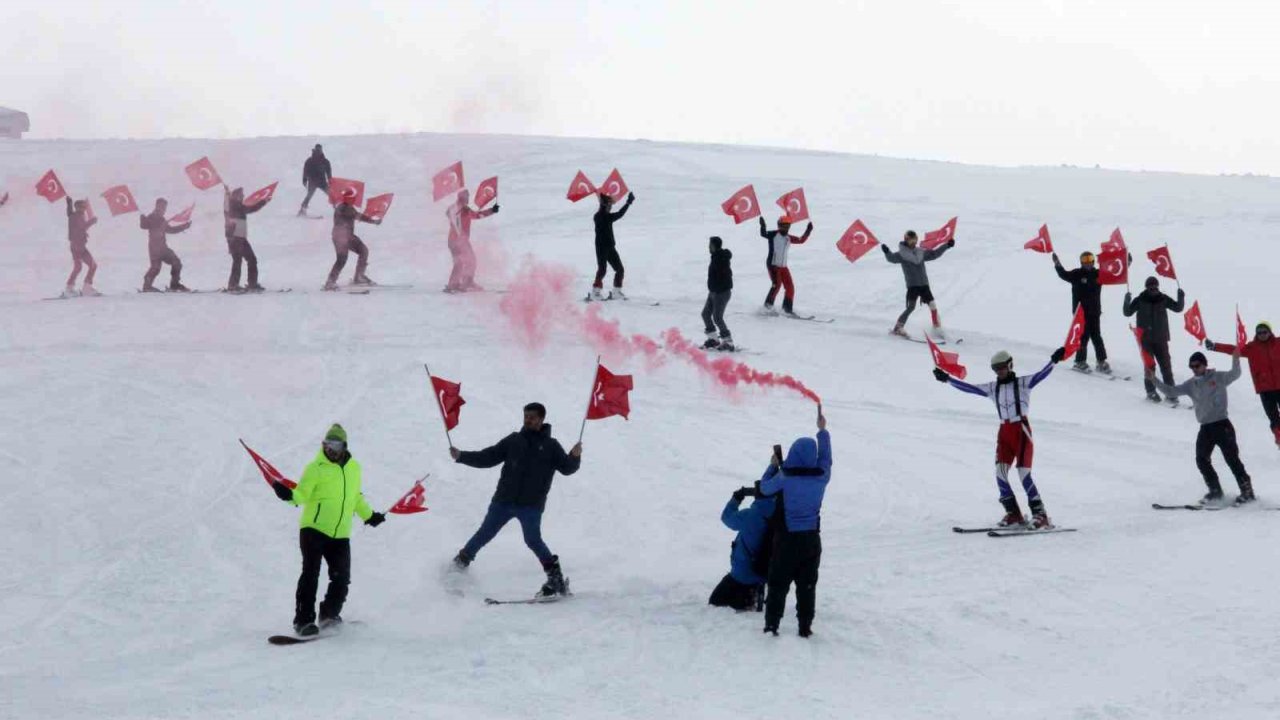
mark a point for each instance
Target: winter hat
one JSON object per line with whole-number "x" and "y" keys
{"x": 716, "y": 242}
{"x": 784, "y": 220}
{"x": 336, "y": 433}
{"x": 1197, "y": 357}
{"x": 1264, "y": 324}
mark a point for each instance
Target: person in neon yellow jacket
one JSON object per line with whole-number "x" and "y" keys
{"x": 329, "y": 493}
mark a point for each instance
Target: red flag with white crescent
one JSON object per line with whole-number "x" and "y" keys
{"x": 449, "y": 396}
{"x": 794, "y": 205}
{"x": 1242, "y": 335}
{"x": 269, "y": 471}
{"x": 1148, "y": 362}
{"x": 183, "y": 217}
{"x": 1116, "y": 242}
{"x": 348, "y": 191}
{"x": 856, "y": 241}
{"x": 448, "y": 181}
{"x": 580, "y": 187}
{"x": 1075, "y": 334}
{"x": 610, "y": 395}
{"x": 1113, "y": 266}
{"x": 942, "y": 235}
{"x": 615, "y": 187}
{"x": 1041, "y": 243}
{"x": 120, "y": 200}
{"x": 949, "y": 362}
{"x": 377, "y": 207}
{"x": 262, "y": 195}
{"x": 1194, "y": 322}
{"x": 742, "y": 205}
{"x": 50, "y": 187}
{"x": 203, "y": 175}
{"x": 414, "y": 501}
{"x": 486, "y": 192}
{"x": 1163, "y": 262}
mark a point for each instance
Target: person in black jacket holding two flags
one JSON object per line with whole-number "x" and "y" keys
{"x": 607, "y": 248}
{"x": 1086, "y": 293}
{"x": 1152, "y": 308}
{"x": 530, "y": 459}
{"x": 316, "y": 173}
{"x": 719, "y": 290}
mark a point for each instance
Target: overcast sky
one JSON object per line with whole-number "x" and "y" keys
{"x": 1173, "y": 85}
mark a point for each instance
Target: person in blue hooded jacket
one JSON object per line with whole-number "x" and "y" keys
{"x": 799, "y": 484}
{"x": 744, "y": 585}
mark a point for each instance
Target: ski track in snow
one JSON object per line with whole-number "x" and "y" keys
{"x": 148, "y": 561}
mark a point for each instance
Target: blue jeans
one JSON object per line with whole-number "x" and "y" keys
{"x": 500, "y": 514}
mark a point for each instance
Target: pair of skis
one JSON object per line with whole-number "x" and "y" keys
{"x": 1012, "y": 530}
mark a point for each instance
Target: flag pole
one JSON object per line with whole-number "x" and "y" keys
{"x": 590, "y": 398}
{"x": 439, "y": 407}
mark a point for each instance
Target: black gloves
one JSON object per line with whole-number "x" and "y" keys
{"x": 741, "y": 494}
{"x": 631, "y": 197}
{"x": 885, "y": 248}
{"x": 375, "y": 519}
{"x": 282, "y": 491}
{"x": 940, "y": 375}
{"x": 496, "y": 208}
{"x": 1208, "y": 344}
{"x": 951, "y": 243}
{"x": 1058, "y": 354}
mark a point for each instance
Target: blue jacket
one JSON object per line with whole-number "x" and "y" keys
{"x": 750, "y": 524}
{"x": 802, "y": 482}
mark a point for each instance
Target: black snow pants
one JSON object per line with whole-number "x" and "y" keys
{"x": 317, "y": 546}
{"x": 795, "y": 559}
{"x": 1222, "y": 435}
{"x": 733, "y": 594}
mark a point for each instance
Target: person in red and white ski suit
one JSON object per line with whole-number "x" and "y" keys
{"x": 460, "y": 214}
{"x": 776, "y": 263}
{"x": 1014, "y": 442}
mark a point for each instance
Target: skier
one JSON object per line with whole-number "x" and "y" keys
{"x": 749, "y": 555}
{"x": 78, "y": 224}
{"x": 1086, "y": 293}
{"x": 460, "y": 214}
{"x": 235, "y": 215}
{"x": 607, "y": 248}
{"x": 912, "y": 260}
{"x": 1152, "y": 306}
{"x": 158, "y": 230}
{"x": 1014, "y": 442}
{"x": 316, "y": 173}
{"x": 776, "y": 264}
{"x": 530, "y": 459}
{"x": 345, "y": 240}
{"x": 1263, "y": 353}
{"x": 330, "y": 493}
{"x": 719, "y": 290}
{"x": 1208, "y": 393}
{"x": 799, "y": 482}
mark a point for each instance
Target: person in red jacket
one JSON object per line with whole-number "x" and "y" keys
{"x": 1263, "y": 353}
{"x": 460, "y": 214}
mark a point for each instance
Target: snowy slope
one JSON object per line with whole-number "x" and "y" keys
{"x": 147, "y": 562}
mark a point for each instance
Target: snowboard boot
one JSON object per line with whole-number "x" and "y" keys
{"x": 556, "y": 583}
{"x": 726, "y": 344}
{"x": 1246, "y": 492}
{"x": 617, "y": 294}
{"x": 306, "y": 629}
{"x": 332, "y": 622}
{"x": 1213, "y": 497}
{"x": 1103, "y": 367}
{"x": 596, "y": 295}
{"x": 1012, "y": 513}
{"x": 1082, "y": 367}
{"x": 462, "y": 560}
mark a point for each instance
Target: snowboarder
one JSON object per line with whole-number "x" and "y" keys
{"x": 78, "y": 224}
{"x": 1015, "y": 445}
{"x": 912, "y": 260}
{"x": 158, "y": 229}
{"x": 743, "y": 587}
{"x": 1152, "y": 306}
{"x": 316, "y": 173}
{"x": 1208, "y": 393}
{"x": 235, "y": 215}
{"x": 776, "y": 263}
{"x": 330, "y": 494}
{"x": 799, "y": 483}
{"x": 607, "y": 248}
{"x": 345, "y": 240}
{"x": 719, "y": 290}
{"x": 1263, "y": 353}
{"x": 460, "y": 214}
{"x": 1086, "y": 293}
{"x": 530, "y": 459}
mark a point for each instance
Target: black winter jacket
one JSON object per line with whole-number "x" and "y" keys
{"x": 604, "y": 221}
{"x": 719, "y": 273}
{"x": 1151, "y": 309}
{"x": 317, "y": 171}
{"x": 529, "y": 462}
{"x": 1085, "y": 290}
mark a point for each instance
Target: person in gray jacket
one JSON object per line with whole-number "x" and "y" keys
{"x": 1208, "y": 391}
{"x": 912, "y": 260}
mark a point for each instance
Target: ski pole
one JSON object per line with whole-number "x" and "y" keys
{"x": 439, "y": 407}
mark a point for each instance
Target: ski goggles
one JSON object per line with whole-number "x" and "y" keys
{"x": 334, "y": 446}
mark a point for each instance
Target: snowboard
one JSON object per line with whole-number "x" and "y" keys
{"x": 325, "y": 633}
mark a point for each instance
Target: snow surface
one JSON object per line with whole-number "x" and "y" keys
{"x": 146, "y": 561}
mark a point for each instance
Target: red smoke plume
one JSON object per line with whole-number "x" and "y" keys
{"x": 729, "y": 372}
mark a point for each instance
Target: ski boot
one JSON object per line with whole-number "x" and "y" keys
{"x": 1082, "y": 367}
{"x": 1153, "y": 396}
{"x": 362, "y": 280}
{"x": 899, "y": 331}
{"x": 787, "y": 309}
{"x": 1103, "y": 367}
{"x": 1012, "y": 514}
{"x": 617, "y": 294}
{"x": 806, "y": 631}
{"x": 596, "y": 295}
{"x": 1213, "y": 497}
{"x": 712, "y": 342}
{"x": 556, "y": 583}
{"x": 771, "y": 629}
{"x": 69, "y": 292}
{"x": 939, "y": 333}
{"x": 234, "y": 289}
{"x": 330, "y": 286}
{"x": 178, "y": 287}
{"x": 1246, "y": 492}
{"x": 726, "y": 344}
{"x": 769, "y": 310}
{"x": 254, "y": 288}
{"x": 306, "y": 629}
{"x": 462, "y": 560}
{"x": 89, "y": 291}
{"x": 330, "y": 622}
{"x": 149, "y": 288}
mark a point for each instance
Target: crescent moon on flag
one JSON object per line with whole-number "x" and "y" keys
{"x": 205, "y": 174}
{"x": 613, "y": 188}
{"x": 583, "y": 187}
{"x": 793, "y": 203}
{"x": 1162, "y": 263}
{"x": 1115, "y": 267}
{"x": 53, "y": 185}
{"x": 860, "y": 238}
{"x": 746, "y": 204}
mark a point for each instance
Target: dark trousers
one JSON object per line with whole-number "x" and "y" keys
{"x": 1222, "y": 435}
{"x": 242, "y": 252}
{"x": 733, "y": 594}
{"x": 311, "y": 190}
{"x": 165, "y": 256}
{"x": 1159, "y": 350}
{"x": 713, "y": 312}
{"x": 1092, "y": 334}
{"x": 608, "y": 255}
{"x": 1271, "y": 406}
{"x": 317, "y": 546}
{"x": 81, "y": 257}
{"x": 342, "y": 246}
{"x": 499, "y": 515}
{"x": 795, "y": 559}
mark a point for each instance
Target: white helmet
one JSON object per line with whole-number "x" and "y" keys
{"x": 1001, "y": 358}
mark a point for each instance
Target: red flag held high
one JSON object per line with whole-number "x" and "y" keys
{"x": 580, "y": 187}
{"x": 1115, "y": 243}
{"x": 1193, "y": 322}
{"x": 262, "y": 195}
{"x": 414, "y": 501}
{"x": 183, "y": 217}
{"x": 339, "y": 187}
{"x": 449, "y": 395}
{"x": 1075, "y": 334}
{"x": 949, "y": 362}
{"x": 269, "y": 472}
{"x": 1041, "y": 243}
{"x": 794, "y": 205}
{"x": 742, "y": 205}
{"x": 377, "y": 207}
{"x": 203, "y": 175}
{"x": 1148, "y": 362}
{"x": 120, "y": 200}
{"x": 941, "y": 235}
{"x": 448, "y": 181}
{"x": 1113, "y": 266}
{"x": 1164, "y": 263}
{"x": 486, "y": 191}
{"x": 856, "y": 241}
{"x": 615, "y": 187}
{"x": 610, "y": 395}
{"x": 50, "y": 187}
{"x": 1242, "y": 336}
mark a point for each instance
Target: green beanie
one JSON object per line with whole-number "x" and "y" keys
{"x": 336, "y": 433}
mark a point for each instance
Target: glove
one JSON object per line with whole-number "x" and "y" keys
{"x": 1056, "y": 261}
{"x": 282, "y": 491}
{"x": 885, "y": 248}
{"x": 740, "y": 494}
{"x": 951, "y": 243}
{"x": 375, "y": 519}
{"x": 1208, "y": 344}
{"x": 631, "y": 197}
{"x": 496, "y": 208}
{"x": 1058, "y": 354}
{"x": 940, "y": 375}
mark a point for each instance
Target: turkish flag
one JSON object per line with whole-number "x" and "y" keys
{"x": 183, "y": 217}
{"x": 856, "y": 241}
{"x": 1164, "y": 263}
{"x": 742, "y": 205}
{"x": 377, "y": 207}
{"x": 580, "y": 187}
{"x": 610, "y": 395}
{"x": 203, "y": 175}
{"x": 414, "y": 501}
{"x": 1193, "y": 322}
{"x": 1115, "y": 243}
{"x": 262, "y": 195}
{"x": 486, "y": 192}
{"x": 794, "y": 205}
{"x": 1075, "y": 334}
{"x": 447, "y": 182}
{"x": 269, "y": 472}
{"x": 1242, "y": 336}
{"x": 1148, "y": 362}
{"x": 449, "y": 396}
{"x": 1041, "y": 243}
{"x": 942, "y": 235}
{"x": 120, "y": 200}
{"x": 614, "y": 186}
{"x": 1113, "y": 266}
{"x": 949, "y": 362}
{"x": 338, "y": 188}
{"x": 50, "y": 187}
